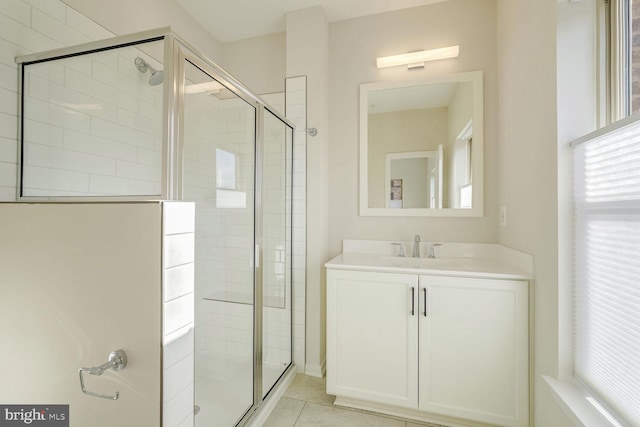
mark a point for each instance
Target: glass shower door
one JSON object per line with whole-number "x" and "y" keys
{"x": 276, "y": 236}
{"x": 219, "y": 175}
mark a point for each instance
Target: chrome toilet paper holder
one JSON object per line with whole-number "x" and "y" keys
{"x": 117, "y": 362}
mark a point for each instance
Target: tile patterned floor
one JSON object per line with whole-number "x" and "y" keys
{"x": 306, "y": 404}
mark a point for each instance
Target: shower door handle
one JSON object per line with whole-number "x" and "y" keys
{"x": 256, "y": 256}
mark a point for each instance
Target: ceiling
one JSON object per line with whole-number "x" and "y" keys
{"x": 232, "y": 20}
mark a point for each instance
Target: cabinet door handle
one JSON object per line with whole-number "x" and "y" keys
{"x": 425, "y": 301}
{"x": 413, "y": 300}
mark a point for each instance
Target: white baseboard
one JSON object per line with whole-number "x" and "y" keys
{"x": 316, "y": 370}
{"x": 411, "y": 414}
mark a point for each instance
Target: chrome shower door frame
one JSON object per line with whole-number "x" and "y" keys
{"x": 182, "y": 53}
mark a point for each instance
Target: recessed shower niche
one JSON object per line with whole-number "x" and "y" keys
{"x": 146, "y": 117}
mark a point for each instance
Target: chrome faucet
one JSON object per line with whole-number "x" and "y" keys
{"x": 400, "y": 250}
{"x": 416, "y": 246}
{"x": 432, "y": 249}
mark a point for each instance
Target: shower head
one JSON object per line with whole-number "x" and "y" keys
{"x": 156, "y": 77}
{"x": 143, "y": 67}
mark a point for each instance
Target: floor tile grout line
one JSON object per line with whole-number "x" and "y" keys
{"x": 299, "y": 414}
{"x": 315, "y": 400}
{"x": 294, "y": 398}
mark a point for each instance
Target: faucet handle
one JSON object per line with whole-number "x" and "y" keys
{"x": 401, "y": 250}
{"x": 416, "y": 238}
{"x": 432, "y": 249}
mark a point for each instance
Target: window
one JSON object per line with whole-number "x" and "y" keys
{"x": 623, "y": 56}
{"x": 635, "y": 55}
{"x": 466, "y": 196}
{"x": 225, "y": 169}
{"x": 606, "y": 232}
{"x": 227, "y": 194}
{"x": 607, "y": 266}
{"x": 466, "y": 190}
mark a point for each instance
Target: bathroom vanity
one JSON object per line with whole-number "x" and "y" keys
{"x": 443, "y": 340}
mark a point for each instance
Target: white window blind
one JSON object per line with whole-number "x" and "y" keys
{"x": 607, "y": 267}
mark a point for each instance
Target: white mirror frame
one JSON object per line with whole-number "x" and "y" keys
{"x": 477, "y": 209}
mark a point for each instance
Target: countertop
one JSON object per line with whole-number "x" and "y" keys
{"x": 441, "y": 266}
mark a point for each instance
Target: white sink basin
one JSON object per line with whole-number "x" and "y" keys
{"x": 426, "y": 263}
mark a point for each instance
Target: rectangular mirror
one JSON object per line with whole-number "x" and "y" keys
{"x": 421, "y": 147}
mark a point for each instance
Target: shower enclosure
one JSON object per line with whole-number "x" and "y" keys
{"x": 146, "y": 117}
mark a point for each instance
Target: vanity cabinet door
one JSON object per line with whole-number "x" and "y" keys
{"x": 473, "y": 349}
{"x": 372, "y": 337}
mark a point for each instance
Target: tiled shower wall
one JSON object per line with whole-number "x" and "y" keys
{"x": 224, "y": 236}
{"x": 277, "y": 346}
{"x": 178, "y": 227}
{"x": 224, "y": 330}
{"x": 92, "y": 126}
{"x": 27, "y": 27}
{"x": 296, "y": 112}
{"x": 92, "y": 123}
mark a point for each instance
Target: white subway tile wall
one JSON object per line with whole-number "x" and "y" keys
{"x": 28, "y": 26}
{"x": 178, "y": 312}
{"x": 219, "y": 160}
{"x": 296, "y": 112}
{"x": 276, "y": 205}
{"x": 225, "y": 330}
{"x": 96, "y": 122}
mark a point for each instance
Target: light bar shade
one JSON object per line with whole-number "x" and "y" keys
{"x": 418, "y": 58}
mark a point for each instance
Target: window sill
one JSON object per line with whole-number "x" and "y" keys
{"x": 573, "y": 401}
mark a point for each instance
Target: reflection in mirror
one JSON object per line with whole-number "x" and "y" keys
{"x": 405, "y": 175}
{"x": 421, "y": 147}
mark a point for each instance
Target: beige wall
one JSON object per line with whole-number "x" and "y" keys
{"x": 258, "y": 62}
{"x": 354, "y": 46}
{"x": 528, "y": 117}
{"x": 123, "y": 17}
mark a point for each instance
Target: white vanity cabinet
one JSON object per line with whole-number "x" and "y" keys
{"x": 473, "y": 347}
{"x": 372, "y": 330}
{"x": 452, "y": 350}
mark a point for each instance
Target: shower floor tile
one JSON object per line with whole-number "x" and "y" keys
{"x": 224, "y": 390}
{"x": 222, "y": 403}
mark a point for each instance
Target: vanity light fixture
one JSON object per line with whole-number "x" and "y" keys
{"x": 417, "y": 59}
